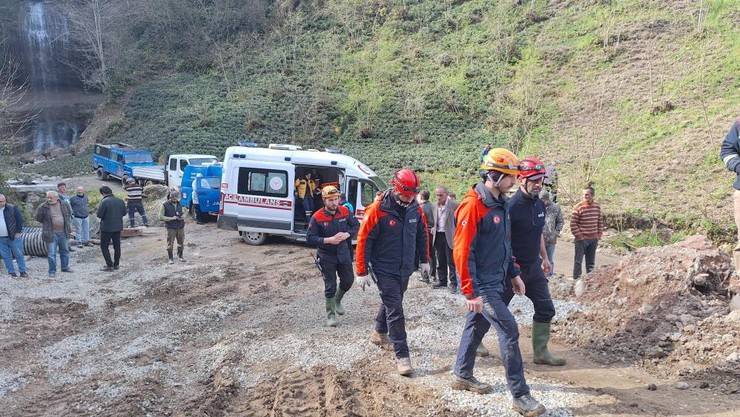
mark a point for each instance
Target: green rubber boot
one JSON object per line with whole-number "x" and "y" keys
{"x": 338, "y": 296}
{"x": 540, "y": 337}
{"x": 331, "y": 309}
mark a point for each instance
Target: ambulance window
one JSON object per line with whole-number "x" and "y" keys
{"x": 183, "y": 164}
{"x": 352, "y": 193}
{"x": 173, "y": 164}
{"x": 264, "y": 182}
{"x": 367, "y": 192}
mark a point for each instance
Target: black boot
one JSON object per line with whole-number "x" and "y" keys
{"x": 169, "y": 256}
{"x": 179, "y": 253}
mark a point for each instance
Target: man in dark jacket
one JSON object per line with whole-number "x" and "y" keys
{"x": 56, "y": 228}
{"x": 391, "y": 243}
{"x": 11, "y": 243}
{"x": 730, "y": 154}
{"x": 81, "y": 217}
{"x": 171, "y": 214}
{"x": 486, "y": 269}
{"x": 332, "y": 229}
{"x": 110, "y": 212}
{"x": 443, "y": 238}
{"x": 528, "y": 214}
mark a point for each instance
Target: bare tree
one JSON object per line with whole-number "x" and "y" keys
{"x": 13, "y": 90}
{"x": 92, "y": 31}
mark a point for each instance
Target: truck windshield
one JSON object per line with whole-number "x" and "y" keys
{"x": 141, "y": 157}
{"x": 201, "y": 161}
{"x": 379, "y": 182}
{"x": 211, "y": 182}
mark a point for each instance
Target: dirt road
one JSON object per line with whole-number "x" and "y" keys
{"x": 237, "y": 330}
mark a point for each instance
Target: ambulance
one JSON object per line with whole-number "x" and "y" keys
{"x": 260, "y": 195}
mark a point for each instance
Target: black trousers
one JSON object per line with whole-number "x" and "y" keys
{"x": 105, "y": 239}
{"x": 536, "y": 289}
{"x": 432, "y": 254}
{"x": 585, "y": 247}
{"x": 330, "y": 271}
{"x": 445, "y": 263}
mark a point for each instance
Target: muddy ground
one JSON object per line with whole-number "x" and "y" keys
{"x": 237, "y": 331}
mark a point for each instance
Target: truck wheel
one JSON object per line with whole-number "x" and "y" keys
{"x": 102, "y": 175}
{"x": 253, "y": 238}
{"x": 124, "y": 180}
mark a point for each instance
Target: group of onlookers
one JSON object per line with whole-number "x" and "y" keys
{"x": 59, "y": 215}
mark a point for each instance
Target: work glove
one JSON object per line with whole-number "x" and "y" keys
{"x": 425, "y": 269}
{"x": 363, "y": 281}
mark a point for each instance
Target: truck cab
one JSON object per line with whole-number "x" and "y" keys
{"x": 119, "y": 160}
{"x": 208, "y": 187}
{"x": 176, "y": 165}
{"x": 264, "y": 192}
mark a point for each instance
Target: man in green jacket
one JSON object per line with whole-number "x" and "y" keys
{"x": 56, "y": 228}
{"x": 171, "y": 214}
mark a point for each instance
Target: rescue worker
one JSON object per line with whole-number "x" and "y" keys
{"x": 331, "y": 229}
{"x": 305, "y": 190}
{"x": 391, "y": 243}
{"x": 527, "y": 213}
{"x": 730, "y": 154}
{"x": 486, "y": 269}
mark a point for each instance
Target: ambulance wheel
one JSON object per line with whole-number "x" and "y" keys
{"x": 253, "y": 238}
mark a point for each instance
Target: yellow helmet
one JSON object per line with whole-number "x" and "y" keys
{"x": 501, "y": 160}
{"x": 329, "y": 191}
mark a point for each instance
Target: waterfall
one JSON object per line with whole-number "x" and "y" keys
{"x": 46, "y": 38}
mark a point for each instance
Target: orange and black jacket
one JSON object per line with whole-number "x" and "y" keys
{"x": 392, "y": 238}
{"x": 482, "y": 249}
{"x": 325, "y": 224}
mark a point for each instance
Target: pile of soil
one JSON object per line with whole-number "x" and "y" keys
{"x": 665, "y": 308}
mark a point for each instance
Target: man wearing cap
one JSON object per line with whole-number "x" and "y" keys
{"x": 331, "y": 229}
{"x": 133, "y": 200}
{"x": 527, "y": 213}
{"x": 553, "y": 226}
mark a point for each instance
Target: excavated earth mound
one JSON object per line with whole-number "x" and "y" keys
{"x": 668, "y": 309}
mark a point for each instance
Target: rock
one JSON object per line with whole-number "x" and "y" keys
{"x": 652, "y": 387}
{"x": 735, "y": 303}
{"x": 580, "y": 288}
{"x": 704, "y": 385}
{"x": 682, "y": 385}
{"x": 733, "y": 357}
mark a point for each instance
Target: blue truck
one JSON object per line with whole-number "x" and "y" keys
{"x": 119, "y": 161}
{"x": 122, "y": 161}
{"x": 208, "y": 188}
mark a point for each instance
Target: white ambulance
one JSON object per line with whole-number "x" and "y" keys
{"x": 260, "y": 197}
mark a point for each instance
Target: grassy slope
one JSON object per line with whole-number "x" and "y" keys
{"x": 582, "y": 83}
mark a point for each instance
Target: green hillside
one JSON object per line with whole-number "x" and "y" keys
{"x": 632, "y": 95}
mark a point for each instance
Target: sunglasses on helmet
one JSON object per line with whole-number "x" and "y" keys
{"x": 538, "y": 167}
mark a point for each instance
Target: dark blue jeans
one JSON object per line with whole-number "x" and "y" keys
{"x": 537, "y": 290}
{"x": 585, "y": 248}
{"x": 136, "y": 207}
{"x": 496, "y": 313}
{"x": 390, "y": 317}
{"x": 330, "y": 271}
{"x": 59, "y": 244}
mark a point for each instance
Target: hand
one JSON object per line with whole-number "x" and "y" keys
{"x": 518, "y": 285}
{"x": 546, "y": 266}
{"x": 474, "y": 304}
{"x": 343, "y": 236}
{"x": 364, "y": 281}
{"x": 334, "y": 240}
{"x": 425, "y": 268}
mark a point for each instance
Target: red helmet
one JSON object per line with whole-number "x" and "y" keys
{"x": 531, "y": 168}
{"x": 405, "y": 182}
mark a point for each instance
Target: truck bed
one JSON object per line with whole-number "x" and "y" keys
{"x": 154, "y": 173}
